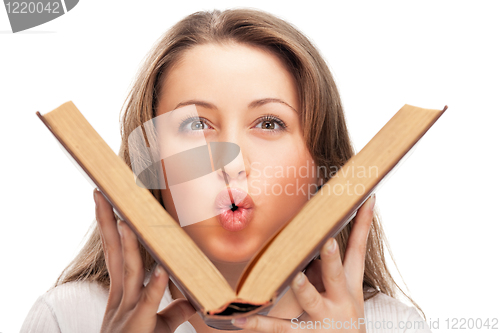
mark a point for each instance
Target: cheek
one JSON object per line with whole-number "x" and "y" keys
{"x": 169, "y": 204}
{"x": 284, "y": 174}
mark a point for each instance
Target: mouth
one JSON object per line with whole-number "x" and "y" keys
{"x": 234, "y": 208}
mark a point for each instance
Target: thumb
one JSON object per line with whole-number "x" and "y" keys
{"x": 177, "y": 312}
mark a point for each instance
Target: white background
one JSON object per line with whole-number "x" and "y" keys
{"x": 439, "y": 210}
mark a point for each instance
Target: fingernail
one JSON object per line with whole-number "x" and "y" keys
{"x": 239, "y": 321}
{"x": 95, "y": 196}
{"x": 331, "y": 245}
{"x": 372, "y": 203}
{"x": 120, "y": 231}
{"x": 299, "y": 279}
{"x": 158, "y": 270}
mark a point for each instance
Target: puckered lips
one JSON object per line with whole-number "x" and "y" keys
{"x": 234, "y": 217}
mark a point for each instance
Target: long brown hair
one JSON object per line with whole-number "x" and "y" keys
{"x": 322, "y": 120}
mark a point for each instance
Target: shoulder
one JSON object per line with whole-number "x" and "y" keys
{"x": 384, "y": 313}
{"x": 75, "y": 307}
{"x": 76, "y": 292}
{"x": 71, "y": 307}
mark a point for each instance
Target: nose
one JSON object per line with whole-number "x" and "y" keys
{"x": 234, "y": 171}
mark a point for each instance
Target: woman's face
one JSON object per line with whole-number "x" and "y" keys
{"x": 274, "y": 166}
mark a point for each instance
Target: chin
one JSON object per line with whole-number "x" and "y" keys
{"x": 228, "y": 248}
{"x": 229, "y": 258}
{"x": 221, "y": 245}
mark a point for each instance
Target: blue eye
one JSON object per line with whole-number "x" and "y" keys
{"x": 193, "y": 124}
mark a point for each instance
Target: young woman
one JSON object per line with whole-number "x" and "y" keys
{"x": 256, "y": 81}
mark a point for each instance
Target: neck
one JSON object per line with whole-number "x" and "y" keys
{"x": 231, "y": 272}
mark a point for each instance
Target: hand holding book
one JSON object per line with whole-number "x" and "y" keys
{"x": 339, "y": 294}
{"x": 133, "y": 307}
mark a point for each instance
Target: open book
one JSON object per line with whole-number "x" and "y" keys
{"x": 269, "y": 273}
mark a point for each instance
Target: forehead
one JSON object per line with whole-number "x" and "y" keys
{"x": 230, "y": 71}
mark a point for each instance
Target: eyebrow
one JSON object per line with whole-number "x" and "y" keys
{"x": 252, "y": 105}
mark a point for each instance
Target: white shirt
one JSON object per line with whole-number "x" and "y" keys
{"x": 76, "y": 307}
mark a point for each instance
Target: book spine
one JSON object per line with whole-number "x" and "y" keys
{"x": 224, "y": 322}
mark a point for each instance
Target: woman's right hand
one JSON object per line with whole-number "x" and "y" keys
{"x": 132, "y": 307}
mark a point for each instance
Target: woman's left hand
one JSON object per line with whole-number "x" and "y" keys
{"x": 341, "y": 305}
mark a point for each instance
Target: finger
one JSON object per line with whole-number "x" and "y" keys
{"x": 264, "y": 324}
{"x": 112, "y": 247}
{"x": 133, "y": 269}
{"x": 177, "y": 312}
{"x": 354, "y": 260}
{"x": 333, "y": 274}
{"x": 308, "y": 297}
{"x": 152, "y": 294}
